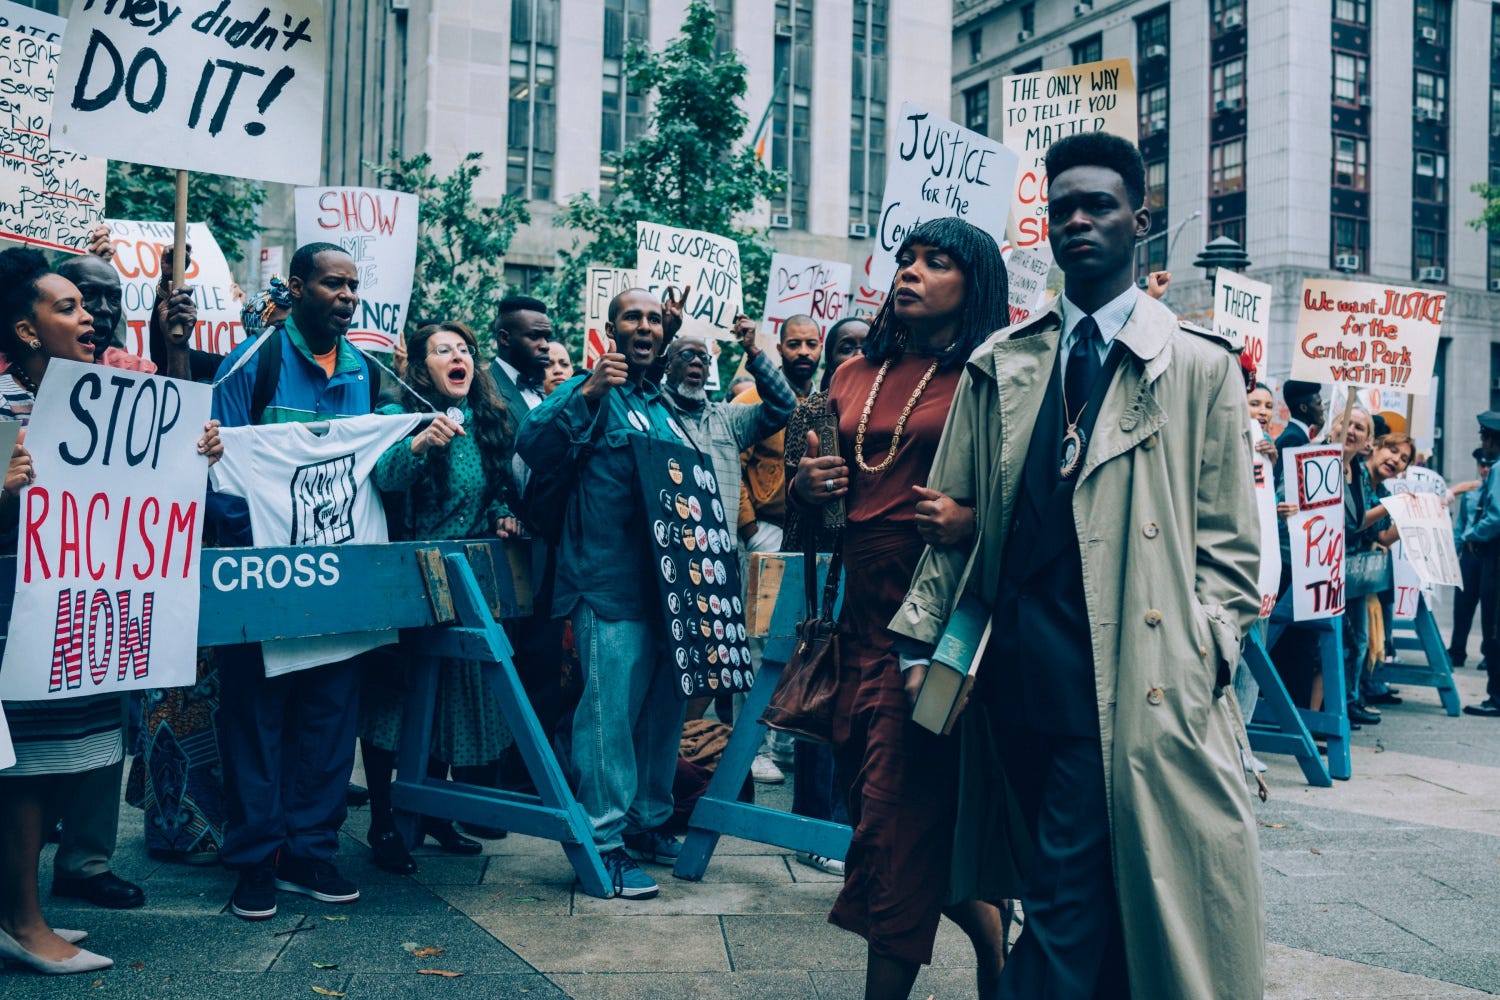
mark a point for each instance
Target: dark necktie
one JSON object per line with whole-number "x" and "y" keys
{"x": 1083, "y": 367}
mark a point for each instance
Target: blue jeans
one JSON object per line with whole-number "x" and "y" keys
{"x": 627, "y": 728}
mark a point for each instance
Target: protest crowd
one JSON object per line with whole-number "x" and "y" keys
{"x": 1060, "y": 540}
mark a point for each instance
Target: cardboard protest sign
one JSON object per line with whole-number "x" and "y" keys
{"x": 1026, "y": 286}
{"x": 1364, "y": 333}
{"x": 695, "y": 566}
{"x": 1418, "y": 479}
{"x": 33, "y": 23}
{"x": 1043, "y": 107}
{"x": 49, "y": 197}
{"x": 233, "y": 87}
{"x": 1315, "y": 484}
{"x": 1242, "y": 314}
{"x": 1426, "y": 536}
{"x": 1406, "y": 586}
{"x": 379, "y": 229}
{"x": 600, "y": 286}
{"x": 1270, "y": 544}
{"x": 140, "y": 248}
{"x": 668, "y": 257}
{"x": 939, "y": 169}
{"x": 806, "y": 286}
{"x": 107, "y": 575}
{"x": 272, "y": 265}
{"x": 867, "y": 300}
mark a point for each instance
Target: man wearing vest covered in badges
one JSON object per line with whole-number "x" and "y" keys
{"x": 1104, "y": 446}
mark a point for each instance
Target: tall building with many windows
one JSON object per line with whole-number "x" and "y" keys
{"x": 1318, "y": 134}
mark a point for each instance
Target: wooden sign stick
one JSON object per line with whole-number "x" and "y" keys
{"x": 179, "y": 239}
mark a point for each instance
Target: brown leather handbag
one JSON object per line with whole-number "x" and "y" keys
{"x": 804, "y": 699}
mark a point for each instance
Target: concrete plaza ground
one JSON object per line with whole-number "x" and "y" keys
{"x": 1385, "y": 886}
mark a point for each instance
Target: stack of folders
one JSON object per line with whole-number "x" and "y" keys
{"x": 954, "y": 665}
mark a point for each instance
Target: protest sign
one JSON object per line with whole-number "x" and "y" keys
{"x": 272, "y": 265}
{"x": 107, "y": 575}
{"x": 1406, "y": 586}
{"x": 1270, "y": 543}
{"x": 1368, "y": 334}
{"x": 49, "y": 197}
{"x": 7, "y": 751}
{"x": 1043, "y": 107}
{"x": 668, "y": 257}
{"x": 1427, "y": 536}
{"x": 939, "y": 169}
{"x": 1242, "y": 314}
{"x": 36, "y": 24}
{"x": 140, "y": 248}
{"x": 234, "y": 87}
{"x": 379, "y": 230}
{"x": 1316, "y": 486}
{"x": 806, "y": 286}
{"x": 600, "y": 286}
{"x": 1418, "y": 479}
{"x": 695, "y": 566}
{"x": 1026, "y": 274}
{"x": 867, "y": 300}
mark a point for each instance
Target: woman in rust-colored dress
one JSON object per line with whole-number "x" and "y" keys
{"x": 949, "y": 294}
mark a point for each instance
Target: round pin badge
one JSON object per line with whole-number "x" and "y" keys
{"x": 718, "y": 630}
{"x": 709, "y": 483}
{"x": 713, "y": 602}
{"x": 668, "y": 569}
{"x": 701, "y": 537}
{"x": 702, "y": 604}
{"x": 726, "y": 677}
{"x": 680, "y": 504}
{"x": 689, "y": 539}
{"x": 454, "y": 414}
{"x": 677, "y": 629}
{"x": 739, "y": 680}
{"x": 698, "y": 475}
{"x": 659, "y": 529}
{"x": 714, "y": 544}
{"x": 681, "y": 659}
{"x": 708, "y": 571}
{"x": 638, "y": 421}
{"x": 713, "y": 655}
{"x": 705, "y": 629}
{"x": 737, "y": 606}
{"x": 687, "y": 685}
{"x": 674, "y": 604}
{"x": 749, "y": 674}
{"x": 723, "y": 653}
{"x": 718, "y": 510}
{"x": 694, "y": 573}
{"x": 695, "y": 508}
{"x": 719, "y": 573}
{"x": 734, "y": 655}
{"x": 713, "y": 682}
{"x": 665, "y": 499}
{"x": 674, "y": 471}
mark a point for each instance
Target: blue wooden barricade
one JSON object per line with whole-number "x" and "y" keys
{"x": 719, "y": 811}
{"x": 1277, "y": 726}
{"x": 1273, "y": 730}
{"x": 447, "y": 599}
{"x": 1422, "y": 634}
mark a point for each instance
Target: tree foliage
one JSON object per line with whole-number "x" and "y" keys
{"x": 692, "y": 168}
{"x": 1490, "y": 219}
{"x": 461, "y": 244}
{"x": 230, "y": 206}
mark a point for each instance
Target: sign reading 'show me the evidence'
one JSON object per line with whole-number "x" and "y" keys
{"x": 220, "y": 86}
{"x": 107, "y": 576}
{"x": 379, "y": 229}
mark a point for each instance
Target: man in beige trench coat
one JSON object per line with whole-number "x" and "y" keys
{"x": 1103, "y": 446}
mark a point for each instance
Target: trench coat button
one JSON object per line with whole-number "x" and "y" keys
{"x": 1150, "y": 530}
{"x": 1202, "y": 650}
{"x": 1149, "y": 443}
{"x": 1154, "y": 696}
{"x": 1153, "y": 618}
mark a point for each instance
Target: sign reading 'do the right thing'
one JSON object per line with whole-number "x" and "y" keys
{"x": 1315, "y": 484}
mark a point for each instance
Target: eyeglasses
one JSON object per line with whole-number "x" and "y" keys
{"x": 448, "y": 350}
{"x": 691, "y": 354}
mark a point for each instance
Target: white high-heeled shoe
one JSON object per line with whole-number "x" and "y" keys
{"x": 11, "y": 952}
{"x": 72, "y": 937}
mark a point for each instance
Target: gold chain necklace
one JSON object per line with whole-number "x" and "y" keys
{"x": 864, "y": 419}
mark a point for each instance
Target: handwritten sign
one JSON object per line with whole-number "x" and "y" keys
{"x": 1316, "y": 530}
{"x": 49, "y": 197}
{"x": 939, "y": 169}
{"x": 1242, "y": 314}
{"x": 1364, "y": 333}
{"x": 107, "y": 575}
{"x": 1407, "y": 588}
{"x": 233, "y": 87}
{"x": 668, "y": 257}
{"x": 272, "y": 265}
{"x": 806, "y": 286}
{"x": 140, "y": 248}
{"x": 1426, "y": 536}
{"x": 379, "y": 230}
{"x": 33, "y": 23}
{"x": 1026, "y": 285}
{"x": 600, "y": 286}
{"x": 1270, "y": 545}
{"x": 867, "y": 300}
{"x": 1041, "y": 108}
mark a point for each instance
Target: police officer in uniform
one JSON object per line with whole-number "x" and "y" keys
{"x": 1484, "y": 539}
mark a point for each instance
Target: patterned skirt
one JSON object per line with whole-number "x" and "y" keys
{"x": 176, "y": 776}
{"x": 468, "y": 727}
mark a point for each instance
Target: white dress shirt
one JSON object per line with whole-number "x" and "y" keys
{"x": 1111, "y": 317}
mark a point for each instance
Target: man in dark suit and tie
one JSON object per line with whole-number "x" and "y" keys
{"x": 522, "y": 335}
{"x": 1304, "y": 403}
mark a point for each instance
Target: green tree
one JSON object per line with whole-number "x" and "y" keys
{"x": 461, "y": 244}
{"x": 692, "y": 168}
{"x": 229, "y": 205}
{"x": 1490, "y": 218}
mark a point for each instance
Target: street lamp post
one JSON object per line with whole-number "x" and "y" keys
{"x": 1221, "y": 252}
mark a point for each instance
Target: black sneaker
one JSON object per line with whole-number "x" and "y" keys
{"x": 1487, "y": 708}
{"x": 629, "y": 881}
{"x": 255, "y": 896}
{"x": 315, "y": 878}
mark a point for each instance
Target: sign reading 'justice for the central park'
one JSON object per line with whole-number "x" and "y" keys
{"x": 1363, "y": 333}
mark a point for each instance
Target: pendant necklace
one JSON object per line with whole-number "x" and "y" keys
{"x": 864, "y": 419}
{"x": 1073, "y": 441}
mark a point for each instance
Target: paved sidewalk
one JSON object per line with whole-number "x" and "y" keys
{"x": 1384, "y": 886}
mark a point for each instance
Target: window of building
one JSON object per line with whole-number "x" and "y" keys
{"x": 977, "y": 108}
{"x": 1232, "y": 228}
{"x": 1429, "y": 248}
{"x": 1151, "y": 256}
{"x": 791, "y": 115}
{"x": 526, "y": 279}
{"x": 976, "y": 45}
{"x": 1034, "y": 66}
{"x": 1432, "y": 21}
{"x": 723, "y": 26}
{"x": 1495, "y": 103}
{"x": 1431, "y": 95}
{"x": 1349, "y": 237}
{"x": 1028, "y": 17}
{"x": 1153, "y": 102}
{"x": 1429, "y": 180}
{"x": 1151, "y": 31}
{"x": 1228, "y": 82}
{"x": 867, "y": 113}
{"x": 1351, "y": 162}
{"x": 1494, "y": 262}
{"x": 1156, "y": 185}
{"x": 1091, "y": 49}
{"x": 1227, "y": 14}
{"x": 1353, "y": 11}
{"x": 1351, "y": 79}
{"x": 623, "y": 115}
{"x": 1226, "y": 166}
{"x": 531, "y": 139}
